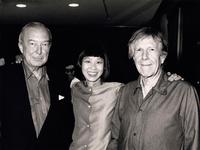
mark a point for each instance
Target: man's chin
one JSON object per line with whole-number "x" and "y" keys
{"x": 146, "y": 75}
{"x": 38, "y": 64}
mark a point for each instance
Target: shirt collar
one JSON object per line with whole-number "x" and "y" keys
{"x": 29, "y": 73}
{"x": 161, "y": 85}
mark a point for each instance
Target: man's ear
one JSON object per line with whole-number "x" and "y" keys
{"x": 20, "y": 47}
{"x": 163, "y": 56}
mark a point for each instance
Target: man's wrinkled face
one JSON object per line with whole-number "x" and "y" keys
{"x": 148, "y": 56}
{"x": 35, "y": 46}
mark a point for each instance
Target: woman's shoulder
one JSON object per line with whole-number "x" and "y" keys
{"x": 74, "y": 82}
{"x": 113, "y": 84}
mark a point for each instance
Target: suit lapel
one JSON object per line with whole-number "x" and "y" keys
{"x": 17, "y": 94}
{"x": 51, "y": 113}
{"x": 26, "y": 100}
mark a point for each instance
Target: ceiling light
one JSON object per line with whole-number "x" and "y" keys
{"x": 21, "y": 5}
{"x": 73, "y": 4}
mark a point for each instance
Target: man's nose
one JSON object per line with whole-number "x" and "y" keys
{"x": 145, "y": 54}
{"x": 39, "y": 49}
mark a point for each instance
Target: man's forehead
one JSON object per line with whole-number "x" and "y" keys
{"x": 36, "y": 33}
{"x": 148, "y": 39}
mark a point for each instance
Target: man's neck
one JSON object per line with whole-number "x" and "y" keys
{"x": 37, "y": 72}
{"x": 148, "y": 83}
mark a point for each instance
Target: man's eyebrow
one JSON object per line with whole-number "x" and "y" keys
{"x": 41, "y": 41}
{"x": 47, "y": 41}
{"x": 30, "y": 40}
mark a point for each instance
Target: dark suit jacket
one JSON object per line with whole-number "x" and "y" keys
{"x": 17, "y": 128}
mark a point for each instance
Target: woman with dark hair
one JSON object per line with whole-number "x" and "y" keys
{"x": 93, "y": 100}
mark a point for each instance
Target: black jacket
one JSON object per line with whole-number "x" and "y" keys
{"x": 17, "y": 128}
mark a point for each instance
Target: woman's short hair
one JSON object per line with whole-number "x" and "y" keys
{"x": 96, "y": 50}
{"x": 146, "y": 32}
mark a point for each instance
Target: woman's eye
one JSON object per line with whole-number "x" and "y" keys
{"x": 138, "y": 50}
{"x": 86, "y": 61}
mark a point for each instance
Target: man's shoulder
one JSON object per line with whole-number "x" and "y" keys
{"x": 131, "y": 84}
{"x": 11, "y": 67}
{"x": 127, "y": 88}
{"x": 183, "y": 85}
{"x": 12, "y": 74}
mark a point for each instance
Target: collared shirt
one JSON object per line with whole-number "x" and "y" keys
{"x": 93, "y": 109}
{"x": 39, "y": 96}
{"x": 166, "y": 119}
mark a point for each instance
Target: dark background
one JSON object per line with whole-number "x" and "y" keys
{"x": 182, "y": 21}
{"x": 67, "y": 42}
